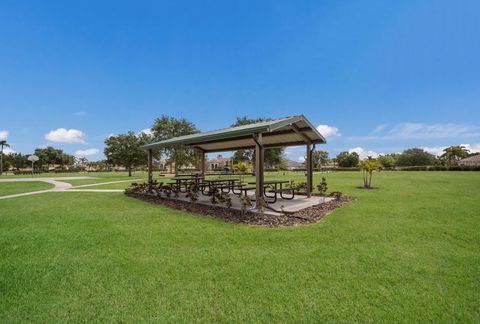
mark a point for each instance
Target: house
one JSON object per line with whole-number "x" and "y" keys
{"x": 162, "y": 165}
{"x": 294, "y": 165}
{"x": 165, "y": 166}
{"x": 220, "y": 163}
{"x": 470, "y": 161}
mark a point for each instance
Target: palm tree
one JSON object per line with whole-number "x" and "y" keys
{"x": 368, "y": 166}
{"x": 455, "y": 153}
{"x": 3, "y": 144}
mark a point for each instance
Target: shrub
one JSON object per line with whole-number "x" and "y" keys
{"x": 246, "y": 203}
{"x": 301, "y": 186}
{"x": 322, "y": 187}
{"x": 336, "y": 194}
{"x": 213, "y": 195}
{"x": 193, "y": 195}
{"x": 228, "y": 201}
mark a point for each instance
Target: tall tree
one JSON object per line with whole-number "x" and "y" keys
{"x": 18, "y": 160}
{"x": 167, "y": 127}
{"x": 387, "y": 161}
{"x": 3, "y": 144}
{"x": 453, "y": 154}
{"x": 273, "y": 157}
{"x": 416, "y": 157}
{"x": 52, "y": 156}
{"x": 347, "y": 159}
{"x": 319, "y": 158}
{"x": 124, "y": 149}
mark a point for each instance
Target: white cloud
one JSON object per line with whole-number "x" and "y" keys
{"x": 301, "y": 159}
{"x": 438, "y": 150}
{"x": 473, "y": 148}
{"x": 8, "y": 150}
{"x": 146, "y": 131}
{"x": 62, "y": 135}
{"x": 3, "y": 135}
{"x": 86, "y": 152}
{"x": 423, "y": 131}
{"x": 379, "y": 128}
{"x": 80, "y": 113}
{"x": 328, "y": 131}
{"x": 435, "y": 150}
{"x": 363, "y": 153}
{"x": 420, "y": 131}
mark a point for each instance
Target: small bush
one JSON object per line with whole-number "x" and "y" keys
{"x": 246, "y": 203}
{"x": 322, "y": 187}
{"x": 192, "y": 195}
{"x": 336, "y": 194}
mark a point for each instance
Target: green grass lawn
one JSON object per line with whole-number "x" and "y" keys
{"x": 11, "y": 188}
{"x": 407, "y": 252}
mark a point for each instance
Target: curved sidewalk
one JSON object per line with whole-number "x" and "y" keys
{"x": 59, "y": 185}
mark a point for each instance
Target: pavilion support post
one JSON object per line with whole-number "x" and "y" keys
{"x": 150, "y": 166}
{"x": 309, "y": 167}
{"x": 259, "y": 161}
{"x": 202, "y": 163}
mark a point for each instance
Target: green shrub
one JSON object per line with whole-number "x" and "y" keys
{"x": 322, "y": 187}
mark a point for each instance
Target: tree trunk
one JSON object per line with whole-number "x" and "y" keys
{"x": 129, "y": 171}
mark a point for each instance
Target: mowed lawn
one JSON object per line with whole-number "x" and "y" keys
{"x": 11, "y": 188}
{"x": 407, "y": 252}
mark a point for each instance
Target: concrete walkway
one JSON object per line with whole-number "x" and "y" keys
{"x": 95, "y": 190}
{"x": 104, "y": 183}
{"x": 59, "y": 185}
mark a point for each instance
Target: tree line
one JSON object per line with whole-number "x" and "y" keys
{"x": 125, "y": 150}
{"x": 48, "y": 157}
{"x": 409, "y": 157}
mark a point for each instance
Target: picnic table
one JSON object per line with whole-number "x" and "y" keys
{"x": 277, "y": 188}
{"x": 185, "y": 182}
{"x": 222, "y": 184}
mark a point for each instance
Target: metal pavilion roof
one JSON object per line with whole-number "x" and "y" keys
{"x": 288, "y": 131}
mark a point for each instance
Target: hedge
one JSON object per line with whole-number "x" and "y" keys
{"x": 439, "y": 168}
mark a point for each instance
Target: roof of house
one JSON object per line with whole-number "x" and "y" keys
{"x": 294, "y": 164}
{"x": 475, "y": 158}
{"x": 219, "y": 160}
{"x": 288, "y": 131}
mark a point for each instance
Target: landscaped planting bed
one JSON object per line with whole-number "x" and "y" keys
{"x": 306, "y": 216}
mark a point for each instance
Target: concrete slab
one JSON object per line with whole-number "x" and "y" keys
{"x": 294, "y": 205}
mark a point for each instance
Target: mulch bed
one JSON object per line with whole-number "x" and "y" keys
{"x": 308, "y": 215}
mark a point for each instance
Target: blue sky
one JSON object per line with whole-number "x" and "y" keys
{"x": 381, "y": 76}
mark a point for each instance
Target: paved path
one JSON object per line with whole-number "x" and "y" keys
{"x": 104, "y": 183}
{"x": 95, "y": 190}
{"x": 59, "y": 185}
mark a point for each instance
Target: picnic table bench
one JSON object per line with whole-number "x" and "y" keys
{"x": 277, "y": 189}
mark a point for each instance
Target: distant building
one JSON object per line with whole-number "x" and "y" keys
{"x": 166, "y": 167}
{"x": 162, "y": 165}
{"x": 294, "y": 165}
{"x": 220, "y": 163}
{"x": 470, "y": 161}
